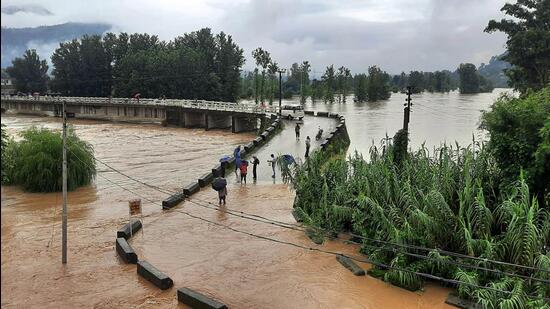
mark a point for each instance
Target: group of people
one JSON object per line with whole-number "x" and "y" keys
{"x": 241, "y": 167}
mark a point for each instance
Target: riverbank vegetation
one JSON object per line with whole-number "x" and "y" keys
{"x": 35, "y": 162}
{"x": 485, "y": 201}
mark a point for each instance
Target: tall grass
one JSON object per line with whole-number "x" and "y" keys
{"x": 37, "y": 161}
{"x": 451, "y": 199}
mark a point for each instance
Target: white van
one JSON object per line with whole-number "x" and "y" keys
{"x": 292, "y": 112}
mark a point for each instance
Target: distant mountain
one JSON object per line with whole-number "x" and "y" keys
{"x": 494, "y": 71}
{"x": 44, "y": 38}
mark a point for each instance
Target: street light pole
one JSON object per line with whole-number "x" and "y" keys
{"x": 280, "y": 89}
{"x": 64, "y": 216}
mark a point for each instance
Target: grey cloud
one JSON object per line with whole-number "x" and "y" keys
{"x": 396, "y": 35}
{"x": 34, "y": 9}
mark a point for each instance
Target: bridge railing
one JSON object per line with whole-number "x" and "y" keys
{"x": 192, "y": 104}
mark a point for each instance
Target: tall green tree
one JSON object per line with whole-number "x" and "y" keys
{"x": 329, "y": 84}
{"x": 272, "y": 72}
{"x": 361, "y": 87}
{"x": 519, "y": 138}
{"x": 469, "y": 79}
{"x": 305, "y": 68}
{"x": 378, "y": 87}
{"x": 528, "y": 44}
{"x": 30, "y": 74}
{"x": 263, "y": 59}
{"x": 416, "y": 81}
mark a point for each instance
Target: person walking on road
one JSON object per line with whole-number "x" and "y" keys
{"x": 255, "y": 163}
{"x": 244, "y": 171}
{"x": 222, "y": 194}
{"x": 272, "y": 161}
{"x": 297, "y": 130}
{"x": 308, "y": 144}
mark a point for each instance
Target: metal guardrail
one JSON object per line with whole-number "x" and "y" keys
{"x": 192, "y": 104}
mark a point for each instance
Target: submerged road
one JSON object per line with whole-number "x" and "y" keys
{"x": 285, "y": 142}
{"x": 238, "y": 270}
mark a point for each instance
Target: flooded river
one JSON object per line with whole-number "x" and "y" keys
{"x": 236, "y": 268}
{"x": 435, "y": 118}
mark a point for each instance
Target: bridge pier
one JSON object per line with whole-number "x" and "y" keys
{"x": 243, "y": 124}
{"x": 217, "y": 121}
{"x": 194, "y": 119}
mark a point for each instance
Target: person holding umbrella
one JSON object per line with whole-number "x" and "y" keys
{"x": 220, "y": 184}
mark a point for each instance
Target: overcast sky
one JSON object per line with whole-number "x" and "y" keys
{"x": 397, "y": 35}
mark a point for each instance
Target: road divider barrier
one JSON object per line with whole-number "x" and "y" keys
{"x": 196, "y": 300}
{"x": 153, "y": 275}
{"x": 125, "y": 251}
{"x": 129, "y": 229}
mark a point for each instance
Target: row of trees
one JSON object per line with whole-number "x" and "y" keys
{"x": 197, "y": 65}
{"x": 336, "y": 84}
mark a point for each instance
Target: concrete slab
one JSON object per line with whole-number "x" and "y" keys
{"x": 196, "y": 300}
{"x": 153, "y": 275}
{"x": 129, "y": 229}
{"x": 173, "y": 200}
{"x": 125, "y": 251}
{"x": 205, "y": 179}
{"x": 350, "y": 264}
{"x": 191, "y": 189}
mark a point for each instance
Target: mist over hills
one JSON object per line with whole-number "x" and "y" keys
{"x": 45, "y": 39}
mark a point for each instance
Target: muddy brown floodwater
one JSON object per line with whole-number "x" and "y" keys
{"x": 237, "y": 269}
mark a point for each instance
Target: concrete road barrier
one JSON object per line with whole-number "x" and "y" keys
{"x": 249, "y": 147}
{"x": 153, "y": 275}
{"x": 191, "y": 188}
{"x": 258, "y": 140}
{"x": 350, "y": 264}
{"x": 205, "y": 179}
{"x": 196, "y": 300}
{"x": 309, "y": 112}
{"x": 456, "y": 301}
{"x": 217, "y": 170}
{"x": 125, "y": 251}
{"x": 264, "y": 135}
{"x": 173, "y": 200}
{"x": 322, "y": 114}
{"x": 270, "y": 129}
{"x": 129, "y": 229}
{"x": 333, "y": 115}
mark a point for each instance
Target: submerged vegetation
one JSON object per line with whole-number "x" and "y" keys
{"x": 461, "y": 200}
{"x": 35, "y": 162}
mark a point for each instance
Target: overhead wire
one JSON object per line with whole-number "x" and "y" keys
{"x": 288, "y": 226}
{"x": 364, "y": 260}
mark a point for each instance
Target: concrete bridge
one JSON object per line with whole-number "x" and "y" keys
{"x": 182, "y": 113}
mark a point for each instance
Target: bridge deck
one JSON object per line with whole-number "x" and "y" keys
{"x": 189, "y": 104}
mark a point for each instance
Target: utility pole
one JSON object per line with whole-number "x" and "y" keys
{"x": 64, "y": 217}
{"x": 407, "y": 110}
{"x": 281, "y": 71}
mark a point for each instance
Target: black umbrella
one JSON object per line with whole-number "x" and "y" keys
{"x": 219, "y": 183}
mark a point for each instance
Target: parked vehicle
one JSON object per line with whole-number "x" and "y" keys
{"x": 292, "y": 112}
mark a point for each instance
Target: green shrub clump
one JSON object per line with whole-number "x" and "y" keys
{"x": 35, "y": 162}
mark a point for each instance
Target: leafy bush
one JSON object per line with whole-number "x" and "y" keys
{"x": 452, "y": 199}
{"x": 37, "y": 161}
{"x": 519, "y": 130}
